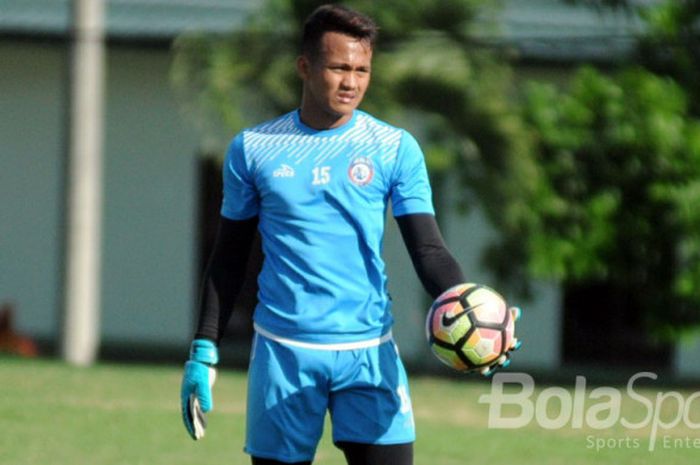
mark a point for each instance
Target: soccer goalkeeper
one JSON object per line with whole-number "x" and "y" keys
{"x": 316, "y": 183}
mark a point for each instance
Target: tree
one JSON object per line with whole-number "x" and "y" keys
{"x": 621, "y": 173}
{"x": 670, "y": 45}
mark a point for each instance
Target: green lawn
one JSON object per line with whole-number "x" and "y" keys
{"x": 53, "y": 414}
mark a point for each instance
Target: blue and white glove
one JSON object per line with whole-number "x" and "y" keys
{"x": 197, "y": 381}
{"x": 504, "y": 360}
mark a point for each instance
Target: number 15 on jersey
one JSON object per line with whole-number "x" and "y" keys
{"x": 322, "y": 175}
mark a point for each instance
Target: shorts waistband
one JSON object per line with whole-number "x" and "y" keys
{"x": 318, "y": 346}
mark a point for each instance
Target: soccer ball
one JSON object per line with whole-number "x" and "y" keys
{"x": 470, "y": 327}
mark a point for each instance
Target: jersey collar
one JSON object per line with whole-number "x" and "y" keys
{"x": 323, "y": 132}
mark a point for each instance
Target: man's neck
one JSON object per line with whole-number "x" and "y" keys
{"x": 321, "y": 121}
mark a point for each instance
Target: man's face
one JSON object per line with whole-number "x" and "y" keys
{"x": 335, "y": 80}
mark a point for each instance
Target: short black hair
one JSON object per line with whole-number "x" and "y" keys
{"x": 336, "y": 18}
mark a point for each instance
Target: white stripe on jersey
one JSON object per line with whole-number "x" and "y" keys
{"x": 367, "y": 135}
{"x": 374, "y": 342}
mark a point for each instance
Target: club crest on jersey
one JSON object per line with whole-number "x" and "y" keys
{"x": 361, "y": 171}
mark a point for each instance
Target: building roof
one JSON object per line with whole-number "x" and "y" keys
{"x": 540, "y": 29}
{"x": 157, "y": 19}
{"x": 553, "y": 29}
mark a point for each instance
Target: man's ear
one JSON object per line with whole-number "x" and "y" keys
{"x": 303, "y": 66}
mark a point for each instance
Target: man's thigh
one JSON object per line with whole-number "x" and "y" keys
{"x": 370, "y": 401}
{"x": 287, "y": 401}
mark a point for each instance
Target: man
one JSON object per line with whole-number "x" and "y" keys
{"x": 316, "y": 183}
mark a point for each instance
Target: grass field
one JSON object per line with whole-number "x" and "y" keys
{"x": 54, "y": 414}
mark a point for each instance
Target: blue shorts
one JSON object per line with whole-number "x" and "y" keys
{"x": 290, "y": 388}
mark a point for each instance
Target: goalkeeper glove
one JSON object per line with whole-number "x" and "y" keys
{"x": 504, "y": 360}
{"x": 197, "y": 381}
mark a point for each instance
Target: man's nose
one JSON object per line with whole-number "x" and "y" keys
{"x": 349, "y": 80}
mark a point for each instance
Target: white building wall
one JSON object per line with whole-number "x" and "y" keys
{"x": 31, "y": 176}
{"x": 149, "y": 241}
{"x": 687, "y": 358}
